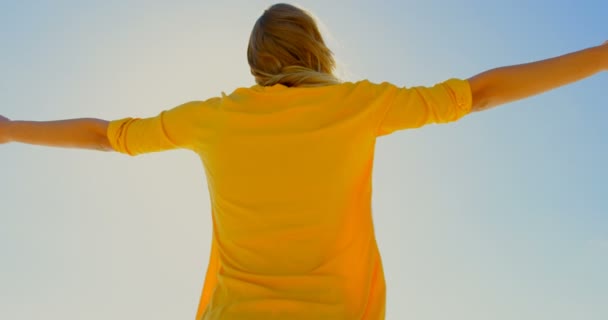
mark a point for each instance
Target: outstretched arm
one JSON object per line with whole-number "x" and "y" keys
{"x": 506, "y": 84}
{"x": 86, "y": 133}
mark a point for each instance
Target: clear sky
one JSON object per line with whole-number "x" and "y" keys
{"x": 501, "y": 215}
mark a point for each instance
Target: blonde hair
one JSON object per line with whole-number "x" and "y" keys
{"x": 286, "y": 48}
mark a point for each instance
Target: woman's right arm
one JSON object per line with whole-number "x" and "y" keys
{"x": 185, "y": 126}
{"x": 506, "y": 84}
{"x": 86, "y": 133}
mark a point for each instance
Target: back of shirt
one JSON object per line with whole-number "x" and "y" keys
{"x": 289, "y": 173}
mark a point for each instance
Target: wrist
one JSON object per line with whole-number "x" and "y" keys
{"x": 5, "y": 130}
{"x": 603, "y": 49}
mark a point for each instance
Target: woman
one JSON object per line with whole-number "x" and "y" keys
{"x": 289, "y": 162}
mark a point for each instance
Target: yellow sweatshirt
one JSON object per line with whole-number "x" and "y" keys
{"x": 289, "y": 172}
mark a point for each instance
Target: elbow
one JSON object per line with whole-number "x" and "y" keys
{"x": 101, "y": 140}
{"x": 481, "y": 103}
{"x": 482, "y": 99}
{"x": 103, "y": 144}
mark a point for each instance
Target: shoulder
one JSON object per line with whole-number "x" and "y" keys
{"x": 370, "y": 89}
{"x": 193, "y": 109}
{"x": 196, "y": 105}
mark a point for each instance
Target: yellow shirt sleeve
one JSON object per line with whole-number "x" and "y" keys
{"x": 406, "y": 108}
{"x": 179, "y": 127}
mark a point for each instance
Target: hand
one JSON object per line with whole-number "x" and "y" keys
{"x": 4, "y": 122}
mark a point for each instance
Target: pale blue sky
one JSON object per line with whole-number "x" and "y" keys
{"x": 501, "y": 215}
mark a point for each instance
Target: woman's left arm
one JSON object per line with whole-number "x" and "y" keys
{"x": 506, "y": 84}
{"x": 85, "y": 133}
